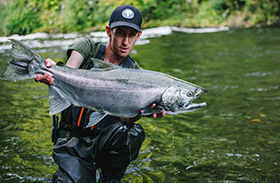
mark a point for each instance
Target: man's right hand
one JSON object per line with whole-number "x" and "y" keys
{"x": 46, "y": 78}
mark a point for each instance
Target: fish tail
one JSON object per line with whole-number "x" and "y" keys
{"x": 25, "y": 65}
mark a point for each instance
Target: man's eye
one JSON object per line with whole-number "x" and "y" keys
{"x": 132, "y": 34}
{"x": 120, "y": 33}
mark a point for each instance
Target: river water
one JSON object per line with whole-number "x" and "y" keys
{"x": 234, "y": 139}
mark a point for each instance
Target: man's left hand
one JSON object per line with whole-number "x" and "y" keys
{"x": 155, "y": 115}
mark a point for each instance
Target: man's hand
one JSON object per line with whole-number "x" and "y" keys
{"x": 129, "y": 121}
{"x": 46, "y": 78}
{"x": 155, "y": 115}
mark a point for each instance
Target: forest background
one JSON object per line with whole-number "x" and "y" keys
{"x": 64, "y": 16}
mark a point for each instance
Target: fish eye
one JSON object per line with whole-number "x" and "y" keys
{"x": 190, "y": 93}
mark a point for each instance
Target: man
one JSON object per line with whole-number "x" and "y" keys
{"x": 114, "y": 142}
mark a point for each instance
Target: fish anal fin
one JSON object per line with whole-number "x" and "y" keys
{"x": 57, "y": 102}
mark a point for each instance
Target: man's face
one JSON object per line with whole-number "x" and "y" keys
{"x": 123, "y": 40}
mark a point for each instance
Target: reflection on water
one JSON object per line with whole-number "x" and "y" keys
{"x": 25, "y": 151}
{"x": 234, "y": 139}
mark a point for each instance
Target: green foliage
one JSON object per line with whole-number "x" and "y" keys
{"x": 75, "y": 15}
{"x": 27, "y": 16}
{"x": 17, "y": 17}
{"x": 264, "y": 11}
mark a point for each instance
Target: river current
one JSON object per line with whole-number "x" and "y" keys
{"x": 234, "y": 139}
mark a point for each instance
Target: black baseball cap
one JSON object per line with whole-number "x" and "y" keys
{"x": 127, "y": 16}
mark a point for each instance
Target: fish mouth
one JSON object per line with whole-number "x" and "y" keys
{"x": 195, "y": 106}
{"x": 188, "y": 108}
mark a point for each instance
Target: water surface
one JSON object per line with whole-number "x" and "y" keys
{"x": 234, "y": 139}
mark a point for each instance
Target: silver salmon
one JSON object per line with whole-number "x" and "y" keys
{"x": 107, "y": 89}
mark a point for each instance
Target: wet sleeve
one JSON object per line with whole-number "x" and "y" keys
{"x": 83, "y": 46}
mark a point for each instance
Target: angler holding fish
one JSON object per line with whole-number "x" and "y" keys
{"x": 101, "y": 101}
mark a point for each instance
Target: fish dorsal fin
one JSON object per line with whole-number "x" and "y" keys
{"x": 57, "y": 101}
{"x": 100, "y": 64}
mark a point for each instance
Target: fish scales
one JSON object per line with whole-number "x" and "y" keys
{"x": 107, "y": 90}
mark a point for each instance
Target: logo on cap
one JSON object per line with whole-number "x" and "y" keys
{"x": 128, "y": 13}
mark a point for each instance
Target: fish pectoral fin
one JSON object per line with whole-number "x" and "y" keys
{"x": 57, "y": 101}
{"x": 94, "y": 118}
{"x": 149, "y": 111}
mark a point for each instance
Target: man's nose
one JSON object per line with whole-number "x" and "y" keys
{"x": 125, "y": 39}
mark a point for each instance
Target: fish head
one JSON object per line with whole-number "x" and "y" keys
{"x": 188, "y": 95}
{"x": 178, "y": 99}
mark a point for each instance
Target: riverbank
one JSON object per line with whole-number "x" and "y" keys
{"x": 65, "y": 40}
{"x": 51, "y": 16}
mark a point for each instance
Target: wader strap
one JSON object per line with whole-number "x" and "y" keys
{"x": 101, "y": 51}
{"x": 128, "y": 62}
{"x": 55, "y": 130}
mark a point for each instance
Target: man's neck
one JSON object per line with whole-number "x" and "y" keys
{"x": 111, "y": 57}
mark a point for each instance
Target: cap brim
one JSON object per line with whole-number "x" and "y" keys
{"x": 125, "y": 24}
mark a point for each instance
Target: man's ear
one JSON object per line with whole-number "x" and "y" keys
{"x": 139, "y": 34}
{"x": 108, "y": 30}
